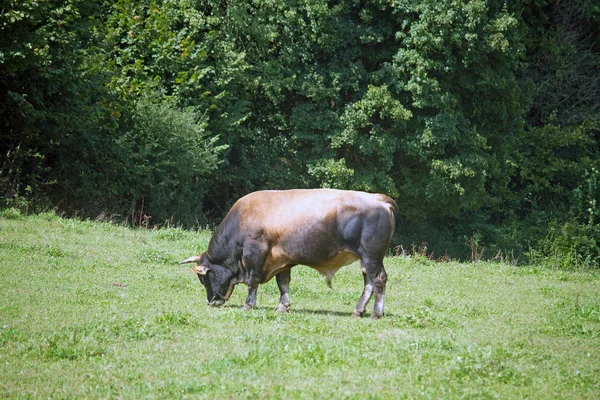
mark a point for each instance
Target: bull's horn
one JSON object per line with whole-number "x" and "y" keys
{"x": 194, "y": 259}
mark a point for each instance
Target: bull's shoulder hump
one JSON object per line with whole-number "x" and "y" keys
{"x": 286, "y": 197}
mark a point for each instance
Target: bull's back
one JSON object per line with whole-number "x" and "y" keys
{"x": 310, "y": 221}
{"x": 280, "y": 211}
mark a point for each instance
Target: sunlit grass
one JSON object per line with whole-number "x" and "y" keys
{"x": 98, "y": 310}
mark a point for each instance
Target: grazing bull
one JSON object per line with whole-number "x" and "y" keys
{"x": 267, "y": 233}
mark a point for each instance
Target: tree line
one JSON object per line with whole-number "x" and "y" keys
{"x": 480, "y": 118}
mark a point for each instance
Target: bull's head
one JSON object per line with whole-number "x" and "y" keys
{"x": 217, "y": 280}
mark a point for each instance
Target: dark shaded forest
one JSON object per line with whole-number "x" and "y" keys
{"x": 480, "y": 118}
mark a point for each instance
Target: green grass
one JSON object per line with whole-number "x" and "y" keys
{"x": 97, "y": 310}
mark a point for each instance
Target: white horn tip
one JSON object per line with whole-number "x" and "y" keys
{"x": 191, "y": 260}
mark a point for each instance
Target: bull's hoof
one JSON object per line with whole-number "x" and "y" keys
{"x": 377, "y": 316}
{"x": 282, "y": 309}
{"x": 356, "y": 314}
{"x": 246, "y": 307}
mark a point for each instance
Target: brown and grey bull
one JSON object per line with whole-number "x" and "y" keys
{"x": 267, "y": 233}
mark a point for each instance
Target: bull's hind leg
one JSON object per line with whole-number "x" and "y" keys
{"x": 375, "y": 279}
{"x": 377, "y": 229}
{"x": 283, "y": 282}
{"x": 379, "y": 281}
{"x": 361, "y": 306}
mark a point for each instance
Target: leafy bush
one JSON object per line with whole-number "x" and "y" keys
{"x": 570, "y": 245}
{"x": 170, "y": 157}
{"x": 11, "y": 213}
{"x": 586, "y": 198}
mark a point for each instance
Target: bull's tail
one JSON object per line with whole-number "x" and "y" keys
{"x": 390, "y": 204}
{"x": 392, "y": 208}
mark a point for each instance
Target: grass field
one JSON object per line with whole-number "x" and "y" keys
{"x": 97, "y": 310}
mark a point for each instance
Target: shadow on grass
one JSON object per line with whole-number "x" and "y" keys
{"x": 292, "y": 310}
{"x": 329, "y": 312}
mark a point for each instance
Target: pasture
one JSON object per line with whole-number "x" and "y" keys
{"x": 97, "y": 310}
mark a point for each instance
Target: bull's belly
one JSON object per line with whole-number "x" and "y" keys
{"x": 336, "y": 262}
{"x": 329, "y": 267}
{"x": 278, "y": 261}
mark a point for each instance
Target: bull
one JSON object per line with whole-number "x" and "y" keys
{"x": 266, "y": 233}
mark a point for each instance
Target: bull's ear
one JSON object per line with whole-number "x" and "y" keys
{"x": 200, "y": 270}
{"x": 193, "y": 259}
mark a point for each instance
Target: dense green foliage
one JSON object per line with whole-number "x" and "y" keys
{"x": 481, "y": 118}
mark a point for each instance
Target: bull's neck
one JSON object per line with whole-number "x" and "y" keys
{"x": 222, "y": 248}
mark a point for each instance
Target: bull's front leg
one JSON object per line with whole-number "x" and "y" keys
{"x": 283, "y": 282}
{"x": 253, "y": 258}
{"x": 251, "y": 299}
